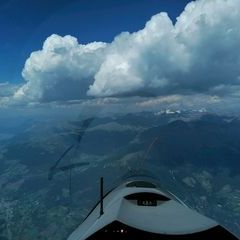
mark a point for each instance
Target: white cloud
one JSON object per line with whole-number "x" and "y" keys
{"x": 7, "y": 89}
{"x": 6, "y": 92}
{"x": 198, "y": 55}
{"x": 141, "y": 61}
{"x": 160, "y": 101}
{"x": 62, "y": 70}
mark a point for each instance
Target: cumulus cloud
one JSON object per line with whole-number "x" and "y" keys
{"x": 199, "y": 54}
{"x": 145, "y": 60}
{"x": 7, "y": 89}
{"x": 6, "y": 92}
{"x": 62, "y": 70}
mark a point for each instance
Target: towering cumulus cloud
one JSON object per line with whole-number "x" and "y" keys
{"x": 199, "y": 54}
{"x": 62, "y": 70}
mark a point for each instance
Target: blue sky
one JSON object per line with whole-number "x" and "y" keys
{"x": 25, "y": 24}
